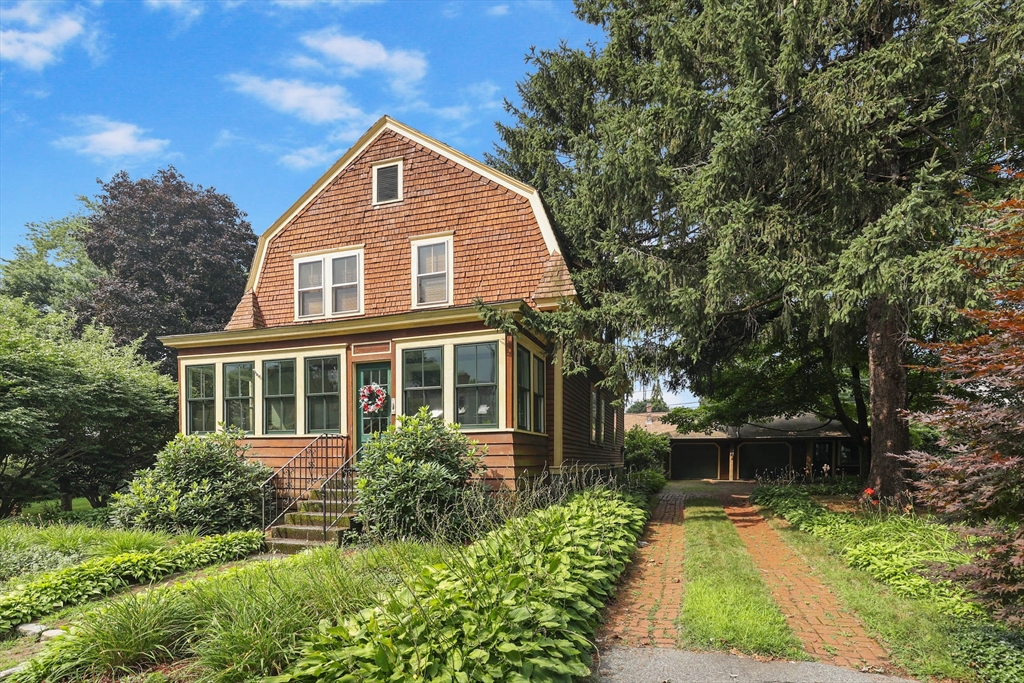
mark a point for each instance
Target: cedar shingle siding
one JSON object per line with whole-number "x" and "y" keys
{"x": 492, "y": 227}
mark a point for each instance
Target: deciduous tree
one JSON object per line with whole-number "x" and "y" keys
{"x": 176, "y": 255}
{"x": 722, "y": 169}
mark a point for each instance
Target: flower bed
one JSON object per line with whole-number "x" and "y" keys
{"x": 92, "y": 578}
{"x": 519, "y": 604}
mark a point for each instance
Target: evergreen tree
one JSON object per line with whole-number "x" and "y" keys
{"x": 726, "y": 173}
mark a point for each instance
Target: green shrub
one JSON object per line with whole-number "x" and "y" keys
{"x": 644, "y": 450}
{"x": 520, "y": 604}
{"x": 644, "y": 482}
{"x": 413, "y": 479}
{"x": 51, "y": 513}
{"x": 74, "y": 585}
{"x": 198, "y": 482}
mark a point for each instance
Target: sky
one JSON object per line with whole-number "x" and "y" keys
{"x": 255, "y": 99}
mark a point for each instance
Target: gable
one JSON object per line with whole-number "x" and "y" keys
{"x": 503, "y": 245}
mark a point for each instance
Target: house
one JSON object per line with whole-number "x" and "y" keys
{"x": 367, "y": 284}
{"x": 798, "y": 444}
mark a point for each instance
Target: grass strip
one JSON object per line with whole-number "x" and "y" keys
{"x": 726, "y": 604}
{"x": 915, "y": 631}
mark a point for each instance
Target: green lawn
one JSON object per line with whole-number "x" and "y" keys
{"x": 726, "y": 604}
{"x": 77, "y": 505}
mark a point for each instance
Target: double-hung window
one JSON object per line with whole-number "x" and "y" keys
{"x": 200, "y": 381}
{"x": 330, "y": 284}
{"x": 595, "y": 425}
{"x": 530, "y": 378}
{"x": 422, "y": 381}
{"x": 476, "y": 384}
{"x": 431, "y": 272}
{"x": 239, "y": 396}
{"x": 323, "y": 394}
{"x": 279, "y": 396}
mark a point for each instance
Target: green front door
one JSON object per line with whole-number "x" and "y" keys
{"x": 368, "y": 423}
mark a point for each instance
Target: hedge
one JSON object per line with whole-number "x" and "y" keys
{"x": 520, "y": 604}
{"x": 92, "y": 578}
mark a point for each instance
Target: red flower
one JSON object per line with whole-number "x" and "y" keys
{"x": 874, "y": 502}
{"x": 869, "y": 491}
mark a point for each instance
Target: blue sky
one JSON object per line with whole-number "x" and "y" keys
{"x": 256, "y": 99}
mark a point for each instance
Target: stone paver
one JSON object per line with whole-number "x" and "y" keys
{"x": 650, "y": 594}
{"x": 817, "y": 619}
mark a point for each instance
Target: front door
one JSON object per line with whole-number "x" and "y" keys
{"x": 371, "y": 416}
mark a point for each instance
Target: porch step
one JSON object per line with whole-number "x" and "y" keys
{"x": 338, "y": 507}
{"x": 291, "y": 546}
{"x": 294, "y": 536}
{"x": 294, "y": 532}
{"x": 315, "y": 519}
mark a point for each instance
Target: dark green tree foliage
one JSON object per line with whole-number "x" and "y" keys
{"x": 729, "y": 174}
{"x": 656, "y": 401}
{"x": 413, "y": 477}
{"x": 77, "y": 408}
{"x": 52, "y": 271}
{"x": 176, "y": 255}
{"x": 644, "y": 450}
{"x": 199, "y": 481}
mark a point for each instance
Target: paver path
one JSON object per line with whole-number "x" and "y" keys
{"x": 813, "y": 613}
{"x": 650, "y": 594}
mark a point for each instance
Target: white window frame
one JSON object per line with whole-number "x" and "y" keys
{"x": 426, "y": 241}
{"x": 401, "y": 180}
{"x": 327, "y": 282}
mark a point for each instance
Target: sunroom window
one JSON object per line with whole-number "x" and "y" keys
{"x": 200, "y": 388}
{"x": 323, "y": 394}
{"x": 239, "y": 396}
{"x": 279, "y": 411}
{"x": 422, "y": 381}
{"x": 476, "y": 384}
{"x": 530, "y": 378}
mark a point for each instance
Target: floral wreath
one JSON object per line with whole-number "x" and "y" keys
{"x": 372, "y": 397}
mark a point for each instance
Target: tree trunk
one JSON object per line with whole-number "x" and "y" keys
{"x": 890, "y": 434}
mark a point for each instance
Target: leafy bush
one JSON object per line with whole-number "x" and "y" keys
{"x": 198, "y": 482}
{"x": 74, "y": 585}
{"x": 644, "y": 482}
{"x": 521, "y": 604}
{"x": 413, "y": 479}
{"x": 239, "y": 625}
{"x": 51, "y": 513}
{"x": 32, "y": 560}
{"x": 644, "y": 450}
{"x": 996, "y": 653}
{"x": 898, "y": 551}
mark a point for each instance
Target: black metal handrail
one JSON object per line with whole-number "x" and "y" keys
{"x": 296, "y": 478}
{"x": 338, "y": 493}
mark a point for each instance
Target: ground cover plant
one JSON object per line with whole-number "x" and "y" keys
{"x": 199, "y": 482}
{"x": 27, "y": 549}
{"x": 92, "y": 578}
{"x": 727, "y": 604}
{"x": 238, "y": 626}
{"x": 519, "y": 604}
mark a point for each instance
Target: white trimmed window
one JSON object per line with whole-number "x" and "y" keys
{"x": 387, "y": 182}
{"x": 431, "y": 272}
{"x": 329, "y": 284}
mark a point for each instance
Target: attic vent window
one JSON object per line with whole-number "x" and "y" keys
{"x": 387, "y": 182}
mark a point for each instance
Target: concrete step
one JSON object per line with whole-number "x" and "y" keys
{"x": 290, "y": 546}
{"x": 336, "y": 506}
{"x": 315, "y": 519}
{"x": 307, "y": 533}
{"x": 336, "y": 491}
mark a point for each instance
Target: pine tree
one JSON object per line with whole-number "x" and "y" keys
{"x": 725, "y": 171}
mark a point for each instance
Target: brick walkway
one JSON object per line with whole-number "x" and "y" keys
{"x": 826, "y": 631}
{"x": 651, "y": 592}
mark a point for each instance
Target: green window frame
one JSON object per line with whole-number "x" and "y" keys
{"x": 323, "y": 395}
{"x": 240, "y": 395}
{"x": 279, "y": 409}
{"x": 201, "y": 399}
{"x": 539, "y": 380}
{"x": 423, "y": 380}
{"x": 476, "y": 384}
{"x": 523, "y": 392}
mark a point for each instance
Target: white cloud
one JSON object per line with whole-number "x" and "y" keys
{"x": 311, "y": 102}
{"x": 498, "y": 10}
{"x": 309, "y": 157}
{"x": 40, "y": 38}
{"x": 106, "y": 139}
{"x": 186, "y": 10}
{"x": 405, "y": 68}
